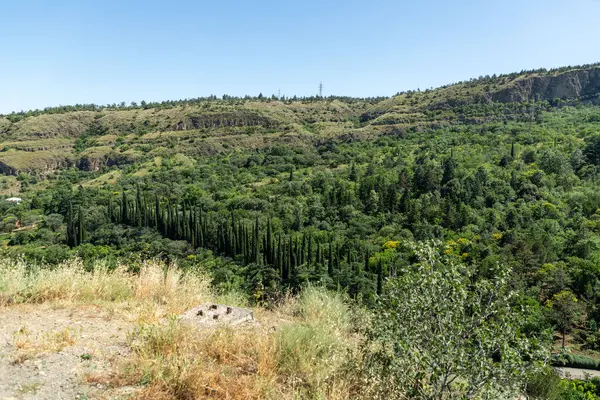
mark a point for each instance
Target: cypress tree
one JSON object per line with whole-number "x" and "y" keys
{"x": 157, "y": 214}
{"x": 198, "y": 230}
{"x": 289, "y": 260}
{"x": 139, "y": 208}
{"x": 124, "y": 210}
{"x": 184, "y": 230}
{"x": 169, "y": 221}
{"x": 353, "y": 175}
{"x": 70, "y": 227}
{"x": 254, "y": 244}
{"x": 191, "y": 225}
{"x": 164, "y": 221}
{"x": 330, "y": 260}
{"x": 269, "y": 243}
{"x": 185, "y": 221}
{"x": 240, "y": 240}
{"x": 193, "y": 235}
{"x": 224, "y": 243}
{"x": 177, "y": 222}
{"x": 201, "y": 239}
{"x": 296, "y": 259}
{"x": 80, "y": 226}
{"x": 147, "y": 212}
{"x": 233, "y": 236}
{"x": 265, "y": 253}
{"x": 309, "y": 256}
{"x": 247, "y": 246}
{"x": 317, "y": 264}
{"x": 201, "y": 229}
{"x": 110, "y": 210}
{"x": 349, "y": 255}
{"x": 379, "y": 277}
{"x": 280, "y": 255}
{"x": 303, "y": 249}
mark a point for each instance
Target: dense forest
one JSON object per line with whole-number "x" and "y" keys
{"x": 339, "y": 200}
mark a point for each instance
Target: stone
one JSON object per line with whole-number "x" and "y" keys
{"x": 211, "y": 315}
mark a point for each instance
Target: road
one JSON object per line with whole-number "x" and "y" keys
{"x": 577, "y": 373}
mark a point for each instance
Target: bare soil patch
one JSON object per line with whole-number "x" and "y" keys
{"x": 60, "y": 353}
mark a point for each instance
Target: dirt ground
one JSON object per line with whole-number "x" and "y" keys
{"x": 60, "y": 353}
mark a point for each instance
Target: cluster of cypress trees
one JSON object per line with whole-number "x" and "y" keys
{"x": 287, "y": 254}
{"x": 76, "y": 233}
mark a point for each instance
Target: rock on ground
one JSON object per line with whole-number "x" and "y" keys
{"x": 210, "y": 315}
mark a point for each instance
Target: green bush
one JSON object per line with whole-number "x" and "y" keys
{"x": 577, "y": 361}
{"x": 433, "y": 338}
{"x": 545, "y": 385}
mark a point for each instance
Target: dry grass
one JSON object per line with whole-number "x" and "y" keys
{"x": 109, "y": 178}
{"x": 297, "y": 350}
{"x": 36, "y": 160}
{"x": 153, "y": 293}
{"x": 29, "y": 345}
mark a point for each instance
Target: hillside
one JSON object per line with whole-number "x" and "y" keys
{"x": 89, "y": 140}
{"x": 401, "y": 213}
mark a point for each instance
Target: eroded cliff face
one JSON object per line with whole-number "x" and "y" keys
{"x": 227, "y": 119}
{"x": 95, "y": 163}
{"x": 6, "y": 169}
{"x": 568, "y": 85}
{"x": 52, "y": 165}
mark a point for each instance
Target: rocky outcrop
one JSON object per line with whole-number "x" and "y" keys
{"x": 227, "y": 119}
{"x": 52, "y": 165}
{"x": 6, "y": 169}
{"x": 96, "y": 163}
{"x": 575, "y": 84}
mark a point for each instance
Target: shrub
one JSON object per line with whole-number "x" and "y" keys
{"x": 439, "y": 332}
{"x": 545, "y": 385}
{"x": 578, "y": 361}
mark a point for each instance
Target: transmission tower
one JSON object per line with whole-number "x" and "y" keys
{"x": 321, "y": 89}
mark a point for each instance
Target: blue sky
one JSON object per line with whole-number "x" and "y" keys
{"x": 65, "y": 52}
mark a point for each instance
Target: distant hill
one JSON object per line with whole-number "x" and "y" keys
{"x": 90, "y": 137}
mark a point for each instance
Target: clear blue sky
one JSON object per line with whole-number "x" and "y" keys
{"x": 65, "y": 51}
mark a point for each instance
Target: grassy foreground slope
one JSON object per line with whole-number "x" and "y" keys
{"x": 114, "y": 333}
{"x": 297, "y": 349}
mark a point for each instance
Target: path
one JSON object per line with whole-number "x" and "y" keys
{"x": 577, "y": 373}
{"x": 48, "y": 353}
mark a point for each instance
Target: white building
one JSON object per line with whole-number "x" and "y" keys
{"x": 16, "y": 200}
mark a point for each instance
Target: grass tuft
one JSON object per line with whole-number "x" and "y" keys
{"x": 69, "y": 282}
{"x": 300, "y": 357}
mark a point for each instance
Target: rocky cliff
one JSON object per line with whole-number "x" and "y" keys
{"x": 574, "y": 84}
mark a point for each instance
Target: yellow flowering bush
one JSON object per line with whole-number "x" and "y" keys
{"x": 391, "y": 244}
